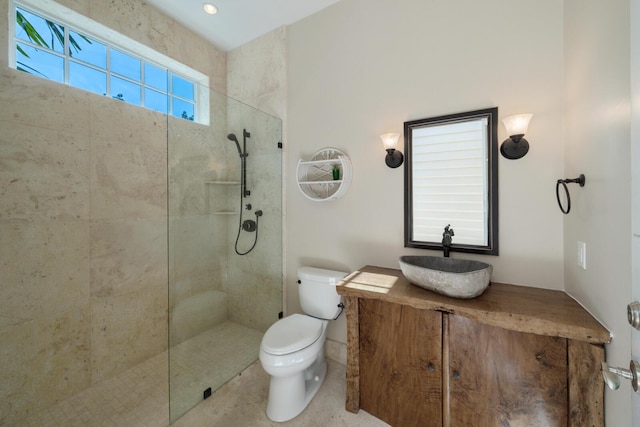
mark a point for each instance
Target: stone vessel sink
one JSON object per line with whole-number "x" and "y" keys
{"x": 457, "y": 278}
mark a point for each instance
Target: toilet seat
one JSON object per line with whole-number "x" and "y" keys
{"x": 291, "y": 334}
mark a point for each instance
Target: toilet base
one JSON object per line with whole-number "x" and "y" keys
{"x": 289, "y": 396}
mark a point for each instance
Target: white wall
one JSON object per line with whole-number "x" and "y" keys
{"x": 361, "y": 68}
{"x": 597, "y": 143}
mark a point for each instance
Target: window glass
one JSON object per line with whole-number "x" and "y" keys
{"x": 88, "y": 50}
{"x": 87, "y": 78}
{"x": 156, "y": 101}
{"x": 50, "y": 50}
{"x": 182, "y": 109}
{"x": 125, "y": 65}
{"x": 448, "y": 162}
{"x": 155, "y": 77}
{"x": 40, "y": 63}
{"x": 182, "y": 88}
{"x": 39, "y": 31}
{"x": 125, "y": 90}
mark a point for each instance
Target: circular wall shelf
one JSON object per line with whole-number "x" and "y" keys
{"x": 315, "y": 177}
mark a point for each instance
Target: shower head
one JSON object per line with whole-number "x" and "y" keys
{"x": 232, "y": 137}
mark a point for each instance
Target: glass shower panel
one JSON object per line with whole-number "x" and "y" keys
{"x": 221, "y": 302}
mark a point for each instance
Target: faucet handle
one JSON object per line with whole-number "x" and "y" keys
{"x": 448, "y": 230}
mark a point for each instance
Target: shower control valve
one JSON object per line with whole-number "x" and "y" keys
{"x": 248, "y": 206}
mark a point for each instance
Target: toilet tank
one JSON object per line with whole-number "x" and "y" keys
{"x": 317, "y": 291}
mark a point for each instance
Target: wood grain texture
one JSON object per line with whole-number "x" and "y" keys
{"x": 517, "y": 308}
{"x": 586, "y": 387}
{"x": 353, "y": 355}
{"x": 446, "y": 363}
{"x": 400, "y": 363}
{"x": 504, "y": 378}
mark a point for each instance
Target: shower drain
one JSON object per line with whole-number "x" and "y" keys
{"x": 206, "y": 394}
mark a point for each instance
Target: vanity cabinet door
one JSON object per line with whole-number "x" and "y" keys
{"x": 400, "y": 363}
{"x": 501, "y": 378}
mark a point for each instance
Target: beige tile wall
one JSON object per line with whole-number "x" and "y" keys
{"x": 254, "y": 282}
{"x": 257, "y": 76}
{"x": 197, "y": 263}
{"x": 83, "y": 220}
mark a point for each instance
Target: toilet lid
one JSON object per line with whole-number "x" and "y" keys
{"x": 291, "y": 334}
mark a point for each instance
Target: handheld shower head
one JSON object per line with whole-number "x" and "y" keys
{"x": 232, "y": 137}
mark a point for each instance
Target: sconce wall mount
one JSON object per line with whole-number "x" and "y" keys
{"x": 394, "y": 158}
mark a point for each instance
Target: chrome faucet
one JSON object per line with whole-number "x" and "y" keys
{"x": 446, "y": 239}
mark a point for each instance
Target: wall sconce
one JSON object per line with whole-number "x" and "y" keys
{"x": 394, "y": 157}
{"x": 515, "y": 147}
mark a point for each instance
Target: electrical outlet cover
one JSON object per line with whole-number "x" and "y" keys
{"x": 582, "y": 255}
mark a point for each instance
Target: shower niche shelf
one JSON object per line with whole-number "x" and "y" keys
{"x": 315, "y": 177}
{"x": 221, "y": 191}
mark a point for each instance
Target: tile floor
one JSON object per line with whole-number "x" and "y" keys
{"x": 207, "y": 360}
{"x": 139, "y": 396}
{"x": 136, "y": 397}
{"x": 243, "y": 400}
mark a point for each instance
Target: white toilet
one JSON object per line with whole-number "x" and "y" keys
{"x": 292, "y": 349}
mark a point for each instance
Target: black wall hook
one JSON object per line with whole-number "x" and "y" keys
{"x": 579, "y": 180}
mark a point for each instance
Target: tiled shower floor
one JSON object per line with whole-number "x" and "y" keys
{"x": 209, "y": 360}
{"x": 139, "y": 396}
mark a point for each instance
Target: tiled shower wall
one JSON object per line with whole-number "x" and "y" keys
{"x": 257, "y": 76}
{"x": 197, "y": 239}
{"x": 83, "y": 220}
{"x": 254, "y": 282}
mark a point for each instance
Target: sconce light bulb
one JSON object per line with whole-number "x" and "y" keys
{"x": 517, "y": 124}
{"x": 390, "y": 140}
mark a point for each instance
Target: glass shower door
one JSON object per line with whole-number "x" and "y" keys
{"x": 225, "y": 245}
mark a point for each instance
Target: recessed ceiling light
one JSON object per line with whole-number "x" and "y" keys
{"x": 210, "y": 9}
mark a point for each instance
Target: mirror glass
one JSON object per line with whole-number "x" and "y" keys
{"x": 451, "y": 178}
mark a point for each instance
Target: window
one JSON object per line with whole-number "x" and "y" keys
{"x": 48, "y": 47}
{"x": 451, "y": 177}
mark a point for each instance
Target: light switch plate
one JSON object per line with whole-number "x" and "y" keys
{"x": 582, "y": 255}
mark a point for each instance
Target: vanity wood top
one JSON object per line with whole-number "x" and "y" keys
{"x": 517, "y": 308}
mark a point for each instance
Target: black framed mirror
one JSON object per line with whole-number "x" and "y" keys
{"x": 451, "y": 178}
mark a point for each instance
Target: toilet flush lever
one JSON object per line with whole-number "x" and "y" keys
{"x": 611, "y": 375}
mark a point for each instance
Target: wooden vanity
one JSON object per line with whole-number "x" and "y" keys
{"x": 515, "y": 356}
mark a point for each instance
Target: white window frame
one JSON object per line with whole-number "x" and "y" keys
{"x": 68, "y": 18}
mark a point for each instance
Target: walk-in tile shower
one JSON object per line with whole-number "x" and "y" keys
{"x": 122, "y": 296}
